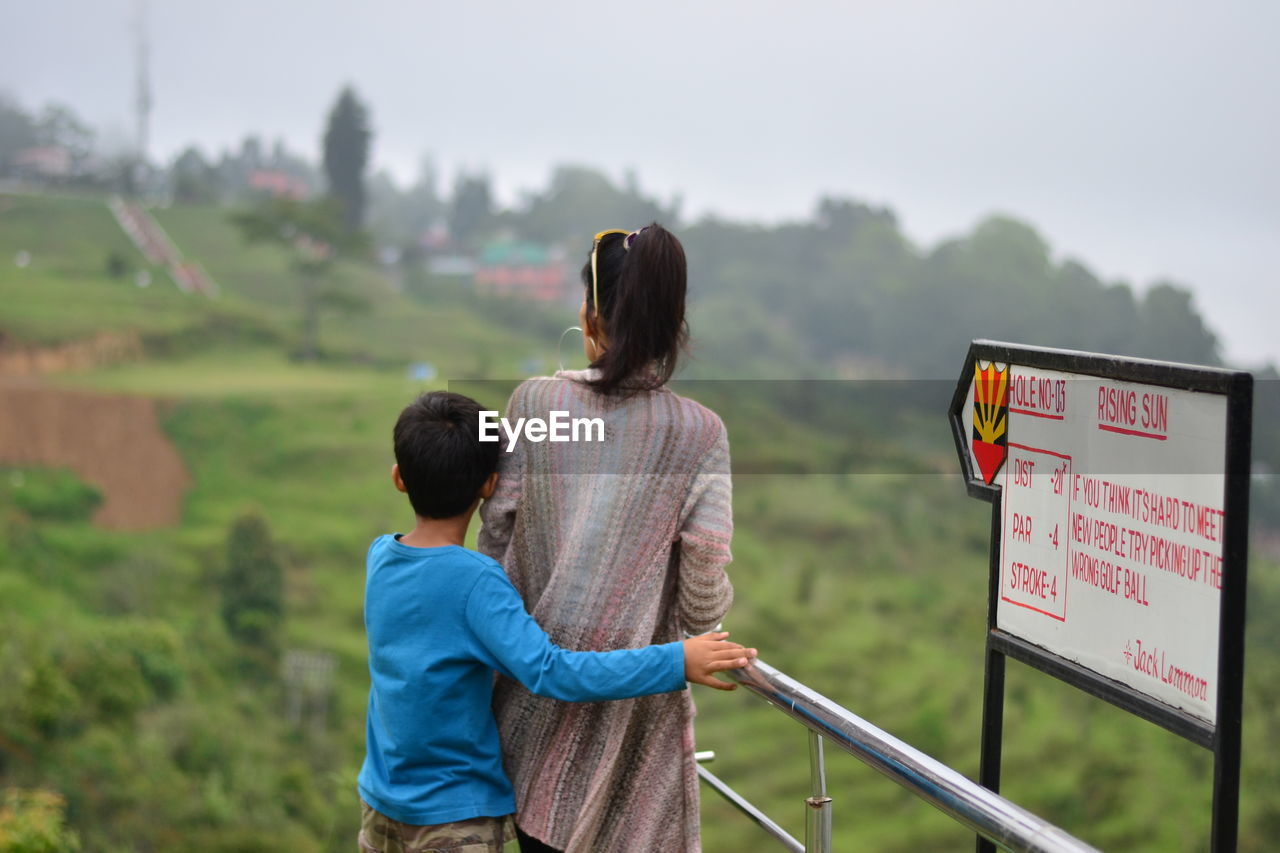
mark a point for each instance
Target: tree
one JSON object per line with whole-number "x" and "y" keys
{"x": 471, "y": 208}
{"x": 34, "y": 821}
{"x": 253, "y": 590}
{"x": 252, "y": 154}
{"x": 1171, "y": 328}
{"x": 346, "y": 155}
{"x": 192, "y": 178}
{"x": 17, "y": 130}
{"x": 56, "y": 126}
{"x": 314, "y": 232}
{"x": 581, "y": 201}
{"x": 402, "y": 217}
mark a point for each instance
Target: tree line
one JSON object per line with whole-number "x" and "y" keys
{"x": 842, "y": 292}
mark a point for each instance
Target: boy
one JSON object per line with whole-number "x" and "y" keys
{"x": 440, "y": 619}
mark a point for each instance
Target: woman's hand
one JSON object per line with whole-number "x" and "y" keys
{"x": 710, "y": 653}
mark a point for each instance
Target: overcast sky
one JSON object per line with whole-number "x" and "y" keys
{"x": 1140, "y": 137}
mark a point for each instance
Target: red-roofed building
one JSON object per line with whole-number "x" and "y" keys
{"x": 46, "y": 161}
{"x": 526, "y": 270}
{"x": 278, "y": 184}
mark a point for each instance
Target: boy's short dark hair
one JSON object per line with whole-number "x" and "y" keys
{"x": 442, "y": 460}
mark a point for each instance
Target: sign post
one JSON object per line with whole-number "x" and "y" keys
{"x": 1119, "y": 538}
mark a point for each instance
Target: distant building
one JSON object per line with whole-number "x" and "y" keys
{"x": 526, "y": 270}
{"x": 48, "y": 162}
{"x": 278, "y": 184}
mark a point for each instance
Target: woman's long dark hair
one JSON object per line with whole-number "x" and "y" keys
{"x": 642, "y": 292}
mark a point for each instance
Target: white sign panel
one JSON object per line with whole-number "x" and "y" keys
{"x": 1111, "y": 530}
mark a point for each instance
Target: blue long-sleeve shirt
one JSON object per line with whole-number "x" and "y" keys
{"x": 439, "y": 622}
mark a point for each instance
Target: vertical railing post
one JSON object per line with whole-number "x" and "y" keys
{"x": 817, "y": 823}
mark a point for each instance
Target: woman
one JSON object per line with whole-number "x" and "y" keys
{"x": 613, "y": 544}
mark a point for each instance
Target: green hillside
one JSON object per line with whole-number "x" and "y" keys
{"x": 66, "y": 291}
{"x": 861, "y": 571}
{"x": 391, "y": 329}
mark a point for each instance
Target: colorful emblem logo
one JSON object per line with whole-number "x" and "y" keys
{"x": 990, "y": 418}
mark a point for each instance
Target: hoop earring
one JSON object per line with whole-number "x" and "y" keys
{"x": 560, "y": 344}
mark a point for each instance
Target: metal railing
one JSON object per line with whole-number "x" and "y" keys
{"x": 1009, "y": 826}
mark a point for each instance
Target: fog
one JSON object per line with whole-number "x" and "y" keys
{"x": 1138, "y": 137}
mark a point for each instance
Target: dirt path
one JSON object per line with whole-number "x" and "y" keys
{"x": 111, "y": 441}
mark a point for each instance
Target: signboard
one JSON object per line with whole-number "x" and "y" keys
{"x": 1111, "y": 526}
{"x": 1120, "y": 499}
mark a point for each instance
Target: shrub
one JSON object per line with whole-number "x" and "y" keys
{"x": 54, "y": 495}
{"x": 34, "y": 822}
{"x": 253, "y": 591}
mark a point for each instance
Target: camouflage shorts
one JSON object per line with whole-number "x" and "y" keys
{"x": 381, "y": 834}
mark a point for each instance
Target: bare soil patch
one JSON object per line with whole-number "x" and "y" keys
{"x": 111, "y": 441}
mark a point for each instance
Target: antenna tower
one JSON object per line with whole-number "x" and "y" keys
{"x": 142, "y": 102}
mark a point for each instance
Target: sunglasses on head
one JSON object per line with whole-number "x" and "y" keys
{"x": 595, "y": 249}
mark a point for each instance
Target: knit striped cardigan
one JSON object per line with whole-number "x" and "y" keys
{"x": 613, "y": 544}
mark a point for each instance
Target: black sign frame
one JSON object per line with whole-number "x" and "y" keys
{"x": 1223, "y": 739}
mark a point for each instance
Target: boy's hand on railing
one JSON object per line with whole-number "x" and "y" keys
{"x": 710, "y": 653}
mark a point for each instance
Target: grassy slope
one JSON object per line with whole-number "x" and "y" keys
{"x": 64, "y": 293}
{"x": 868, "y": 587}
{"x": 453, "y": 337}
